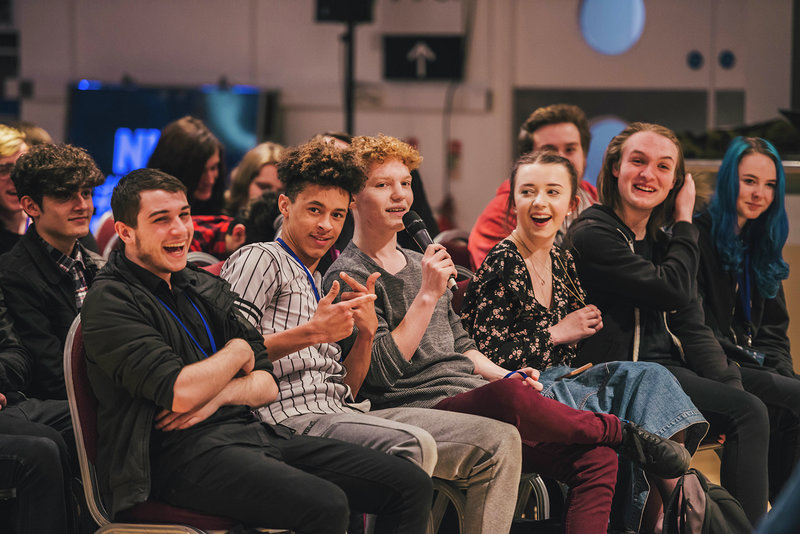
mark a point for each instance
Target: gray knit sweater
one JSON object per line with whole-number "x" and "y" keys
{"x": 438, "y": 368}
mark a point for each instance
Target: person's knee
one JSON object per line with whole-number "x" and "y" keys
{"x": 331, "y": 510}
{"x": 427, "y": 451}
{"x": 750, "y": 414}
{"x": 417, "y": 492}
{"x": 44, "y": 453}
{"x": 511, "y": 397}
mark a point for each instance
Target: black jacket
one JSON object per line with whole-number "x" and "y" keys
{"x": 769, "y": 317}
{"x": 135, "y": 350}
{"x": 16, "y": 366}
{"x": 41, "y": 300}
{"x": 648, "y": 303}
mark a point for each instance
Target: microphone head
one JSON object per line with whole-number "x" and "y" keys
{"x": 413, "y": 222}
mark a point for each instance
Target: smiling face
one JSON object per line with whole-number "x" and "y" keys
{"x": 757, "y": 182}
{"x": 543, "y": 197}
{"x": 564, "y": 139}
{"x": 385, "y": 199}
{"x": 265, "y": 180}
{"x": 646, "y": 172}
{"x": 205, "y": 187}
{"x": 9, "y": 202}
{"x": 160, "y": 242}
{"x": 313, "y": 221}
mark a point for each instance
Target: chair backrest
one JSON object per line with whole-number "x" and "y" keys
{"x": 201, "y": 259}
{"x": 105, "y": 235}
{"x": 455, "y": 241}
{"x": 83, "y": 409}
{"x": 214, "y": 268}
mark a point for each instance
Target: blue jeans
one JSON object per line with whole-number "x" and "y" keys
{"x": 644, "y": 393}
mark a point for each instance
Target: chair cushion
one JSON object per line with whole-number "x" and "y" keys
{"x": 159, "y": 512}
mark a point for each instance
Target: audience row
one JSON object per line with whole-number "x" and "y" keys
{"x": 326, "y": 374}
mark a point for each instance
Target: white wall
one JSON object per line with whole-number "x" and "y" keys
{"x": 516, "y": 43}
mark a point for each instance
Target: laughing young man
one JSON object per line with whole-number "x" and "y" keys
{"x": 177, "y": 373}
{"x": 317, "y": 385}
{"x": 422, "y": 356}
{"x": 46, "y": 275}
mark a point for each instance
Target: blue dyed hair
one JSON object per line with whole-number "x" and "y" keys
{"x": 764, "y": 236}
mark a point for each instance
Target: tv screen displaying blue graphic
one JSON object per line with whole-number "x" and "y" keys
{"x": 120, "y": 125}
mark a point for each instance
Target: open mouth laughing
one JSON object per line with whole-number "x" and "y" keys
{"x": 176, "y": 248}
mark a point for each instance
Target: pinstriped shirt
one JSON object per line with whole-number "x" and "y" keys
{"x": 278, "y": 296}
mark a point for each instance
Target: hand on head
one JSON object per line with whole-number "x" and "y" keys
{"x": 684, "y": 201}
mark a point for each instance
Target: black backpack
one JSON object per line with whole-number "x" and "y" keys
{"x": 697, "y": 506}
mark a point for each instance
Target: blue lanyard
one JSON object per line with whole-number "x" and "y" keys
{"x": 744, "y": 292}
{"x": 282, "y": 243}
{"x": 208, "y": 330}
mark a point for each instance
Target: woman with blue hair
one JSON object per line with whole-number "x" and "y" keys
{"x": 740, "y": 281}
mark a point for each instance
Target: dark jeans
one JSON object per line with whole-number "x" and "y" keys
{"x": 33, "y": 459}
{"x": 743, "y": 418}
{"x": 557, "y": 441}
{"x": 311, "y": 489}
{"x": 781, "y": 394}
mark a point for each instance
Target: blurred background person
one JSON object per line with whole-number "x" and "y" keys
{"x": 190, "y": 152}
{"x": 255, "y": 174}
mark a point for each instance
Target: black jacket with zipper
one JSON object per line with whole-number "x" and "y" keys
{"x": 41, "y": 300}
{"x": 769, "y": 319}
{"x": 135, "y": 350}
{"x": 649, "y": 304}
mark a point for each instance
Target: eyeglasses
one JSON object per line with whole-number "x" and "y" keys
{"x": 5, "y": 170}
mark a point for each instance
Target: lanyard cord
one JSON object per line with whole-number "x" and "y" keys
{"x": 744, "y": 294}
{"x": 282, "y": 243}
{"x": 208, "y": 330}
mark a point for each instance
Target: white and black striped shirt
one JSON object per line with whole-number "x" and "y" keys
{"x": 278, "y": 296}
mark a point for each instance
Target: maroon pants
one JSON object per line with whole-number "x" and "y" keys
{"x": 557, "y": 441}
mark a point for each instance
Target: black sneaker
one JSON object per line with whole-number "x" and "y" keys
{"x": 656, "y": 455}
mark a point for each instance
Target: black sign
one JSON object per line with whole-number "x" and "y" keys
{"x": 423, "y": 57}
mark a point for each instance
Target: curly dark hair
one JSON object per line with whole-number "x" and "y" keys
{"x": 55, "y": 171}
{"x": 320, "y": 163}
{"x": 127, "y": 195}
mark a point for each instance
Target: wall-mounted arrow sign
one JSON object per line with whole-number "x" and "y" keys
{"x": 421, "y": 54}
{"x": 423, "y": 57}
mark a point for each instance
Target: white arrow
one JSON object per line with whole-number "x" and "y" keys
{"x": 421, "y": 53}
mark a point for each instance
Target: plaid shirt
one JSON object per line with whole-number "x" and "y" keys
{"x": 209, "y": 234}
{"x": 72, "y": 265}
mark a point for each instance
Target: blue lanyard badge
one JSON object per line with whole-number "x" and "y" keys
{"x": 282, "y": 243}
{"x": 208, "y": 330}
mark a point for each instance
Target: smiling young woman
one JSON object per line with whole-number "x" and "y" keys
{"x": 740, "y": 279}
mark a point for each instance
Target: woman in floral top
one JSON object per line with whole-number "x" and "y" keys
{"x": 507, "y": 321}
{"x": 525, "y": 307}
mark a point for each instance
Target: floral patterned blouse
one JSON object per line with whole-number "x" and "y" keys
{"x": 502, "y": 315}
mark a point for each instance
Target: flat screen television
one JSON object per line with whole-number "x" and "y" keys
{"x": 119, "y": 125}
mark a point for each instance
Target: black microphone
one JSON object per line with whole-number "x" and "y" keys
{"x": 415, "y": 227}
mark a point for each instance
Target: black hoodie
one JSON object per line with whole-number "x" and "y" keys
{"x": 647, "y": 293}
